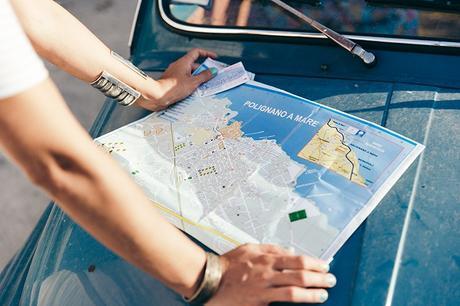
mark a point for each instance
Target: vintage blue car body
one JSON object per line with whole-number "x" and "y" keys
{"x": 408, "y": 251}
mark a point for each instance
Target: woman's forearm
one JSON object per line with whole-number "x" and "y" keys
{"x": 61, "y": 39}
{"x": 39, "y": 132}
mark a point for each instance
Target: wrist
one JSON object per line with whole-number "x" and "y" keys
{"x": 151, "y": 94}
{"x": 192, "y": 286}
{"x": 191, "y": 277}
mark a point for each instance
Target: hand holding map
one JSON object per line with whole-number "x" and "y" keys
{"x": 227, "y": 77}
{"x": 212, "y": 63}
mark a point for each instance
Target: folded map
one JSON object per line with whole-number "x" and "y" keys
{"x": 258, "y": 164}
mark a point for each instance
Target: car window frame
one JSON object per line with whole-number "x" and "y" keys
{"x": 235, "y": 31}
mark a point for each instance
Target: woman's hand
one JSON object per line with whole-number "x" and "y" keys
{"x": 177, "y": 82}
{"x": 256, "y": 275}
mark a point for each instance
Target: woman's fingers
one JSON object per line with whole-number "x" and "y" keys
{"x": 273, "y": 249}
{"x": 196, "y": 53}
{"x": 203, "y": 76}
{"x": 195, "y": 66}
{"x": 297, "y": 295}
{"x": 300, "y": 263}
{"x": 261, "y": 274}
{"x": 303, "y": 278}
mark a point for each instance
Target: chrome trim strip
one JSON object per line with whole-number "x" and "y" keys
{"x": 236, "y": 31}
{"x": 133, "y": 25}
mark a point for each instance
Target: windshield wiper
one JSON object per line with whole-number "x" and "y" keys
{"x": 367, "y": 57}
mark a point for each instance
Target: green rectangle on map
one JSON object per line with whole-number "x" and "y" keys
{"x": 298, "y": 215}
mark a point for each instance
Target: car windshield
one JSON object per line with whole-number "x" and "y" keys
{"x": 422, "y": 19}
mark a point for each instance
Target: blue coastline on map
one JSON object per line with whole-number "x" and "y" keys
{"x": 336, "y": 196}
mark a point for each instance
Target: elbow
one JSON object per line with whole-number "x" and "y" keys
{"x": 60, "y": 174}
{"x": 63, "y": 175}
{"x": 47, "y": 175}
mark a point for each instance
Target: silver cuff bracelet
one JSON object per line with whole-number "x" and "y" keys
{"x": 116, "y": 89}
{"x": 128, "y": 64}
{"x": 210, "y": 282}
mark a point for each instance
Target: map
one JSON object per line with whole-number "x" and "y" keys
{"x": 258, "y": 164}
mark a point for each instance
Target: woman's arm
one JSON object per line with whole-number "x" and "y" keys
{"x": 61, "y": 39}
{"x": 40, "y": 134}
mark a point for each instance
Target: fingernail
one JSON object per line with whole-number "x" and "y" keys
{"x": 323, "y": 297}
{"x": 213, "y": 71}
{"x": 291, "y": 250}
{"x": 331, "y": 280}
{"x": 325, "y": 267}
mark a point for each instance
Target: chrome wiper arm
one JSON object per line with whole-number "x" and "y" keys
{"x": 367, "y": 57}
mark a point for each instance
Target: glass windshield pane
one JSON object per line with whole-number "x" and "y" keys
{"x": 416, "y": 19}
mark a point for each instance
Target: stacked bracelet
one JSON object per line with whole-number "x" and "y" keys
{"x": 116, "y": 89}
{"x": 210, "y": 282}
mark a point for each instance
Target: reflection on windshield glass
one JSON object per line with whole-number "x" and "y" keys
{"x": 352, "y": 16}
